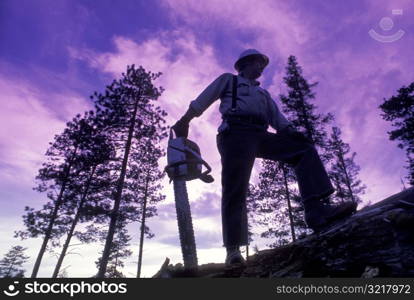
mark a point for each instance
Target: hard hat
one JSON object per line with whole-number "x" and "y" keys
{"x": 250, "y": 52}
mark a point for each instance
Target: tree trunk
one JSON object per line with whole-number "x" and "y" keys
{"x": 48, "y": 232}
{"x": 116, "y": 259}
{"x": 292, "y": 228}
{"x": 117, "y": 200}
{"x": 72, "y": 228}
{"x": 339, "y": 187}
{"x": 141, "y": 239}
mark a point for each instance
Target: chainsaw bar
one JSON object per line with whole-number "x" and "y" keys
{"x": 185, "y": 224}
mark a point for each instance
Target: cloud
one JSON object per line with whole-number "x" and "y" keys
{"x": 207, "y": 232}
{"x": 27, "y": 125}
{"x": 187, "y": 67}
{"x": 352, "y": 86}
{"x": 271, "y": 24}
{"x": 208, "y": 204}
{"x": 205, "y": 205}
{"x": 206, "y": 219}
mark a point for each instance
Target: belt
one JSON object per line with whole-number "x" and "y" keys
{"x": 245, "y": 119}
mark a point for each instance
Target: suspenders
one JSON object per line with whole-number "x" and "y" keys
{"x": 248, "y": 119}
{"x": 234, "y": 94}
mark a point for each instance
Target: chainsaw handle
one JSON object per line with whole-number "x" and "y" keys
{"x": 204, "y": 176}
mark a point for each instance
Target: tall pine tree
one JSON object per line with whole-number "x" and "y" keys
{"x": 91, "y": 183}
{"x": 57, "y": 174}
{"x": 146, "y": 186}
{"x": 128, "y": 113}
{"x": 299, "y": 109}
{"x": 119, "y": 250}
{"x": 302, "y": 113}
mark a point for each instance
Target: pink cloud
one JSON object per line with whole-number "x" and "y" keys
{"x": 279, "y": 30}
{"x": 27, "y": 125}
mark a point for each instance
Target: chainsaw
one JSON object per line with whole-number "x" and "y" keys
{"x": 185, "y": 164}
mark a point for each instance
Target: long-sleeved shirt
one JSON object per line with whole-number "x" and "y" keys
{"x": 252, "y": 100}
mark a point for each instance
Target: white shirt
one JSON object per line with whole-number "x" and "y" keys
{"x": 251, "y": 100}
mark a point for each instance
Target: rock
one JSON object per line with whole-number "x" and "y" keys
{"x": 377, "y": 241}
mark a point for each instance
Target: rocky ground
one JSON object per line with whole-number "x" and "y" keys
{"x": 377, "y": 241}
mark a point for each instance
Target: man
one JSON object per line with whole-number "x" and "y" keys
{"x": 243, "y": 136}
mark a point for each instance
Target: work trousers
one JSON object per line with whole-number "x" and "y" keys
{"x": 238, "y": 149}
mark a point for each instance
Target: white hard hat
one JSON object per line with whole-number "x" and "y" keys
{"x": 250, "y": 52}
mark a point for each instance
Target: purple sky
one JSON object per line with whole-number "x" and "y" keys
{"x": 54, "y": 54}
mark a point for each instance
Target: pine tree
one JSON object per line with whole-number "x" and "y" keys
{"x": 128, "y": 114}
{"x": 91, "y": 184}
{"x": 399, "y": 110}
{"x": 11, "y": 264}
{"x": 37, "y": 222}
{"x": 299, "y": 109}
{"x": 54, "y": 178}
{"x": 119, "y": 251}
{"x": 344, "y": 170}
{"x": 251, "y": 207}
{"x": 302, "y": 113}
{"x": 141, "y": 194}
{"x": 273, "y": 203}
{"x": 298, "y": 213}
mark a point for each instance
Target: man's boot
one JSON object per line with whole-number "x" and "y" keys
{"x": 234, "y": 256}
{"x": 319, "y": 215}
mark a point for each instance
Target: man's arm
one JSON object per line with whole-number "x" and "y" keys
{"x": 211, "y": 93}
{"x": 276, "y": 118}
{"x": 282, "y": 125}
{"x": 201, "y": 103}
